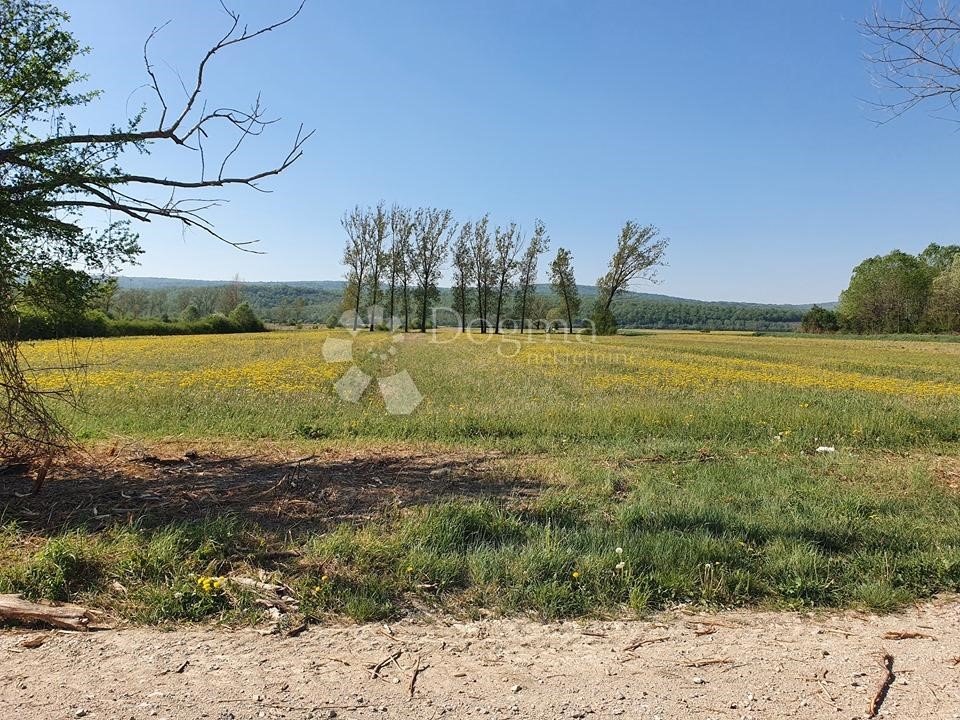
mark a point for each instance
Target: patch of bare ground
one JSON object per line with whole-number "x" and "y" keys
{"x": 266, "y": 484}
{"x": 678, "y": 665}
{"x": 947, "y": 472}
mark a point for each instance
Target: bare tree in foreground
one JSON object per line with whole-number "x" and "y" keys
{"x": 916, "y": 55}
{"x": 51, "y": 175}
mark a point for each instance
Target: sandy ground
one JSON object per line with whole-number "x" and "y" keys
{"x": 729, "y": 665}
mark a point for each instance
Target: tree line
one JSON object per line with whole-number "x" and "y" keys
{"x": 897, "y": 293}
{"x": 395, "y": 258}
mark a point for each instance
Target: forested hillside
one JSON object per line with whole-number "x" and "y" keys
{"x": 319, "y": 301}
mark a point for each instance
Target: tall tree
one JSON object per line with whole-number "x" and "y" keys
{"x": 401, "y": 228}
{"x": 506, "y": 246}
{"x": 379, "y": 225}
{"x": 539, "y": 244}
{"x": 402, "y": 221}
{"x": 565, "y": 285}
{"x": 887, "y": 294}
{"x": 463, "y": 272}
{"x": 433, "y": 229}
{"x": 939, "y": 257}
{"x": 356, "y": 253}
{"x": 52, "y": 177}
{"x": 483, "y": 268}
{"x": 944, "y": 306}
{"x": 639, "y": 253}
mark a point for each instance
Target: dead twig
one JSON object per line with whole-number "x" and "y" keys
{"x": 296, "y": 630}
{"x": 885, "y": 683}
{"x": 906, "y": 635}
{"x": 634, "y": 645}
{"x": 417, "y": 669}
{"x": 375, "y": 670}
{"x": 708, "y": 661}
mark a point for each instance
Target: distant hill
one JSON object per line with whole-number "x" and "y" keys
{"x": 153, "y": 283}
{"x": 157, "y": 283}
{"x": 318, "y": 300}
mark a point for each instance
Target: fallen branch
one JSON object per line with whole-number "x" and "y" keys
{"x": 885, "y": 683}
{"x": 906, "y": 635}
{"x": 65, "y": 616}
{"x": 638, "y": 643}
{"x": 708, "y": 661}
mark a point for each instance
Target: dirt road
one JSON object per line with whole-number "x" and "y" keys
{"x": 730, "y": 665}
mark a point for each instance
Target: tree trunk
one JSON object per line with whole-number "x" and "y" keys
{"x": 406, "y": 307}
{"x": 373, "y": 306}
{"x": 523, "y": 304}
{"x": 496, "y": 327}
{"x": 423, "y": 312}
{"x": 356, "y": 309}
{"x": 393, "y": 284}
{"x": 483, "y": 319}
{"x": 463, "y": 307}
{"x": 609, "y": 301}
{"x": 566, "y": 301}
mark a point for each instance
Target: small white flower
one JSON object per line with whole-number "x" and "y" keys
{"x": 621, "y": 565}
{"x": 619, "y": 551}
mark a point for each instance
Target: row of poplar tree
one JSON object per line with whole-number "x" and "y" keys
{"x": 395, "y": 258}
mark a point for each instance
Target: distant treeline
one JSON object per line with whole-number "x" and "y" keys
{"x": 63, "y": 302}
{"x": 321, "y": 303}
{"x": 897, "y": 293}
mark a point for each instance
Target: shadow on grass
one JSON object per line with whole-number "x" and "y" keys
{"x": 292, "y": 497}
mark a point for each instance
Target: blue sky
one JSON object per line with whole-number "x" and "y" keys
{"x": 740, "y": 129}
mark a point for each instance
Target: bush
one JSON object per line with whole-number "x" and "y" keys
{"x": 97, "y": 324}
{"x": 191, "y": 313}
{"x": 603, "y": 322}
{"x": 244, "y": 318}
{"x": 819, "y": 320}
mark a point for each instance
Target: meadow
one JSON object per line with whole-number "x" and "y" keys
{"x": 658, "y": 468}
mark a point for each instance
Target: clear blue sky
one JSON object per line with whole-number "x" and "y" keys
{"x": 738, "y": 128}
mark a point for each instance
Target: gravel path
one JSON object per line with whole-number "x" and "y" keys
{"x": 729, "y": 665}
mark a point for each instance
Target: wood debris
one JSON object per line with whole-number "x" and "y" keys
{"x": 703, "y": 662}
{"x": 375, "y": 670}
{"x": 417, "y": 669}
{"x": 34, "y": 642}
{"x": 634, "y": 645}
{"x": 885, "y": 682}
{"x": 60, "y": 615}
{"x": 906, "y": 635}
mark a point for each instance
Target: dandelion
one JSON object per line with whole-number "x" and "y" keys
{"x": 576, "y": 574}
{"x": 324, "y": 578}
{"x": 409, "y": 569}
{"x": 619, "y": 551}
{"x": 621, "y": 565}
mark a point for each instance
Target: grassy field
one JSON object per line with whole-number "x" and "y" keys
{"x": 660, "y": 468}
